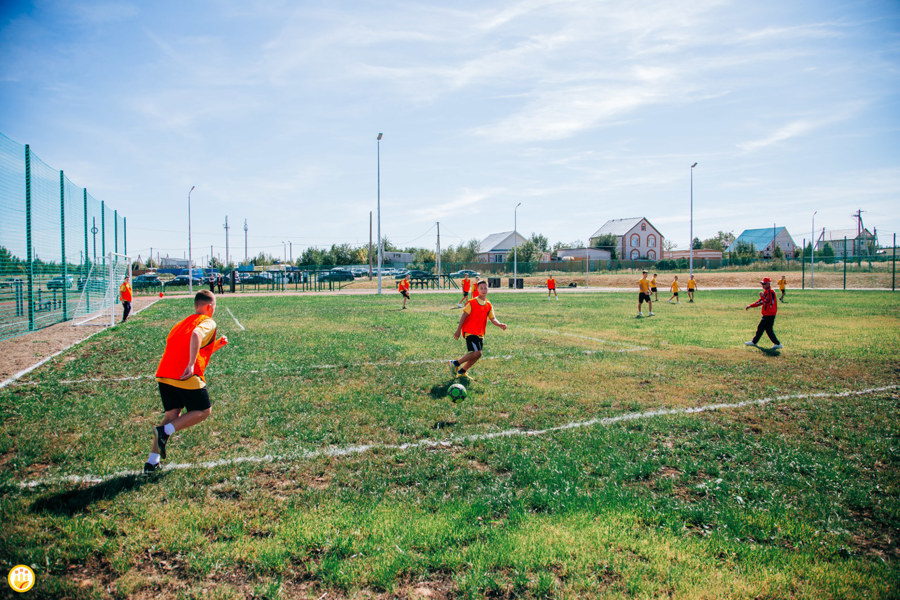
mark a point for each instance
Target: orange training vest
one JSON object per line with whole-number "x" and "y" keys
{"x": 551, "y": 284}
{"x": 466, "y": 283}
{"x": 476, "y": 322}
{"x": 404, "y": 285}
{"x": 176, "y": 356}
{"x": 125, "y": 292}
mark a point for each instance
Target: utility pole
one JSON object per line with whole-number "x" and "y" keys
{"x": 439, "y": 254}
{"x": 246, "y": 260}
{"x": 370, "y": 245}
{"x": 226, "y": 240}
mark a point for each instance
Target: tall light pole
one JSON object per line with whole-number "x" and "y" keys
{"x": 812, "y": 253}
{"x": 379, "y": 211}
{"x": 190, "y": 258}
{"x": 692, "y": 219}
{"x": 516, "y": 246}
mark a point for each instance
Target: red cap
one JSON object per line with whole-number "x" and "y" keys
{"x": 766, "y": 280}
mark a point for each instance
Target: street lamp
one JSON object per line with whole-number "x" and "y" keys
{"x": 190, "y": 258}
{"x": 379, "y": 211}
{"x": 812, "y": 253}
{"x": 692, "y": 220}
{"x": 516, "y": 247}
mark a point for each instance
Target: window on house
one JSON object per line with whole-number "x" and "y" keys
{"x": 651, "y": 254}
{"x": 651, "y": 240}
{"x": 643, "y": 227}
{"x": 635, "y": 240}
{"x": 635, "y": 255}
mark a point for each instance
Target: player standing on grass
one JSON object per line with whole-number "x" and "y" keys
{"x": 125, "y": 297}
{"x": 675, "y": 289}
{"x": 653, "y": 288}
{"x": 403, "y": 288}
{"x": 189, "y": 346}
{"x": 466, "y": 286}
{"x": 782, "y": 285}
{"x": 472, "y": 326}
{"x": 644, "y": 295}
{"x": 692, "y": 287}
{"x": 551, "y": 288}
{"x": 769, "y": 310}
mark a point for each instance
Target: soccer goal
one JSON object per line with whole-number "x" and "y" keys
{"x": 100, "y": 291}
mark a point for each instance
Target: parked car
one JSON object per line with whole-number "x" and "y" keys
{"x": 262, "y": 277}
{"x": 59, "y": 282}
{"x": 146, "y": 280}
{"x": 183, "y": 280}
{"x": 416, "y": 274}
{"x": 10, "y": 282}
{"x": 335, "y": 275}
{"x": 465, "y": 272}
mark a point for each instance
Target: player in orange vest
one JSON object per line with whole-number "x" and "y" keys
{"x": 403, "y": 288}
{"x": 551, "y": 287}
{"x": 125, "y": 297}
{"x": 182, "y": 386}
{"x": 472, "y": 325}
{"x": 466, "y": 286}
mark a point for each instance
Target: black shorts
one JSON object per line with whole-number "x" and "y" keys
{"x": 642, "y": 297}
{"x": 175, "y": 397}
{"x": 675, "y": 294}
{"x": 653, "y": 289}
{"x": 405, "y": 294}
{"x": 474, "y": 343}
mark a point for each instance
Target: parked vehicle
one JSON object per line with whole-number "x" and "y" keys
{"x": 146, "y": 280}
{"x": 261, "y": 277}
{"x": 182, "y": 280}
{"x": 335, "y": 275}
{"x": 59, "y": 282}
{"x": 416, "y": 274}
{"x": 465, "y": 272}
{"x": 10, "y": 282}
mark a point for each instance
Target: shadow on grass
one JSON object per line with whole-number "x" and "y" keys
{"x": 769, "y": 351}
{"x": 76, "y": 501}
{"x": 440, "y": 390}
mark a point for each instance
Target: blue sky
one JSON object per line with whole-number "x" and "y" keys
{"x": 583, "y": 111}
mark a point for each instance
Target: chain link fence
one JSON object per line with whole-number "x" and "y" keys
{"x": 51, "y": 231}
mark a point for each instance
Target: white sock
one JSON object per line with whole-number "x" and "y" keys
{"x": 154, "y": 458}
{"x": 169, "y": 429}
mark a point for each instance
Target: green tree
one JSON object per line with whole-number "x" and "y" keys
{"x": 541, "y": 242}
{"x": 778, "y": 253}
{"x": 828, "y": 253}
{"x": 719, "y": 242}
{"x": 527, "y": 252}
{"x": 608, "y": 242}
{"x": 697, "y": 244}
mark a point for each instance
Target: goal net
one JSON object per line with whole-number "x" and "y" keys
{"x": 100, "y": 291}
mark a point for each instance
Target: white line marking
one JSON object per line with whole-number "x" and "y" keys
{"x": 363, "y": 448}
{"x": 631, "y": 347}
{"x": 235, "y": 318}
{"x": 24, "y": 372}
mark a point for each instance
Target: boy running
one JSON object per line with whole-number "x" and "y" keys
{"x": 551, "y": 288}
{"x": 403, "y": 288}
{"x": 675, "y": 289}
{"x": 782, "y": 285}
{"x": 769, "y": 310}
{"x": 466, "y": 286}
{"x": 182, "y": 386}
{"x": 472, "y": 325}
{"x": 653, "y": 288}
{"x": 644, "y": 295}
{"x": 125, "y": 297}
{"x": 692, "y": 286}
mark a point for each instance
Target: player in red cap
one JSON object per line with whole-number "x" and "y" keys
{"x": 769, "y": 309}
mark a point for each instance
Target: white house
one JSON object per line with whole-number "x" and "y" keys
{"x": 498, "y": 247}
{"x": 858, "y": 243}
{"x": 637, "y": 238}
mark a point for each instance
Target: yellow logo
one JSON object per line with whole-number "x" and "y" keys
{"x": 21, "y": 578}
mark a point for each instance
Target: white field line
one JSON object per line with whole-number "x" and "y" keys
{"x": 24, "y": 372}
{"x": 299, "y": 370}
{"x": 235, "y": 318}
{"x": 363, "y": 448}
{"x": 629, "y": 347}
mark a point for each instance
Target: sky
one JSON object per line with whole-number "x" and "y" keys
{"x": 580, "y": 110}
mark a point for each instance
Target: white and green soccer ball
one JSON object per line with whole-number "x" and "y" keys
{"x": 457, "y": 392}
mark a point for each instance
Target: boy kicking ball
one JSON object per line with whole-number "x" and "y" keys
{"x": 472, "y": 326}
{"x": 189, "y": 346}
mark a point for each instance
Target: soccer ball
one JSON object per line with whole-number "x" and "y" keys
{"x": 457, "y": 392}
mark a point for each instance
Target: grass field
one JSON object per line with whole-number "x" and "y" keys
{"x": 595, "y": 456}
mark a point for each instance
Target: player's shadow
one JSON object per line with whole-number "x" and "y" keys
{"x": 770, "y": 351}
{"x": 77, "y": 501}
{"x": 439, "y": 390}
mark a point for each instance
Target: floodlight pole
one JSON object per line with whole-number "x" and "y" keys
{"x": 516, "y": 247}
{"x": 190, "y": 258}
{"x": 379, "y": 211}
{"x": 692, "y": 221}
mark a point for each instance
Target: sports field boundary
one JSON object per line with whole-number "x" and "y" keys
{"x": 336, "y": 452}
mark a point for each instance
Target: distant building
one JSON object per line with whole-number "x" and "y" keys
{"x": 857, "y": 242}
{"x": 583, "y": 253}
{"x": 765, "y": 240}
{"x": 173, "y": 263}
{"x": 397, "y": 258}
{"x": 498, "y": 247}
{"x": 699, "y": 254}
{"x": 637, "y": 238}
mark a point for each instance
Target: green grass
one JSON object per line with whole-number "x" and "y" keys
{"x": 794, "y": 498}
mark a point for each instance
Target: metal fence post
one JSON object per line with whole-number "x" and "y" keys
{"x": 116, "y": 231}
{"x": 103, "y": 229}
{"x": 845, "y": 262}
{"x": 28, "y": 247}
{"x": 125, "y": 235}
{"x": 803, "y": 268}
{"x": 62, "y": 235}
{"x": 894, "y": 267}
